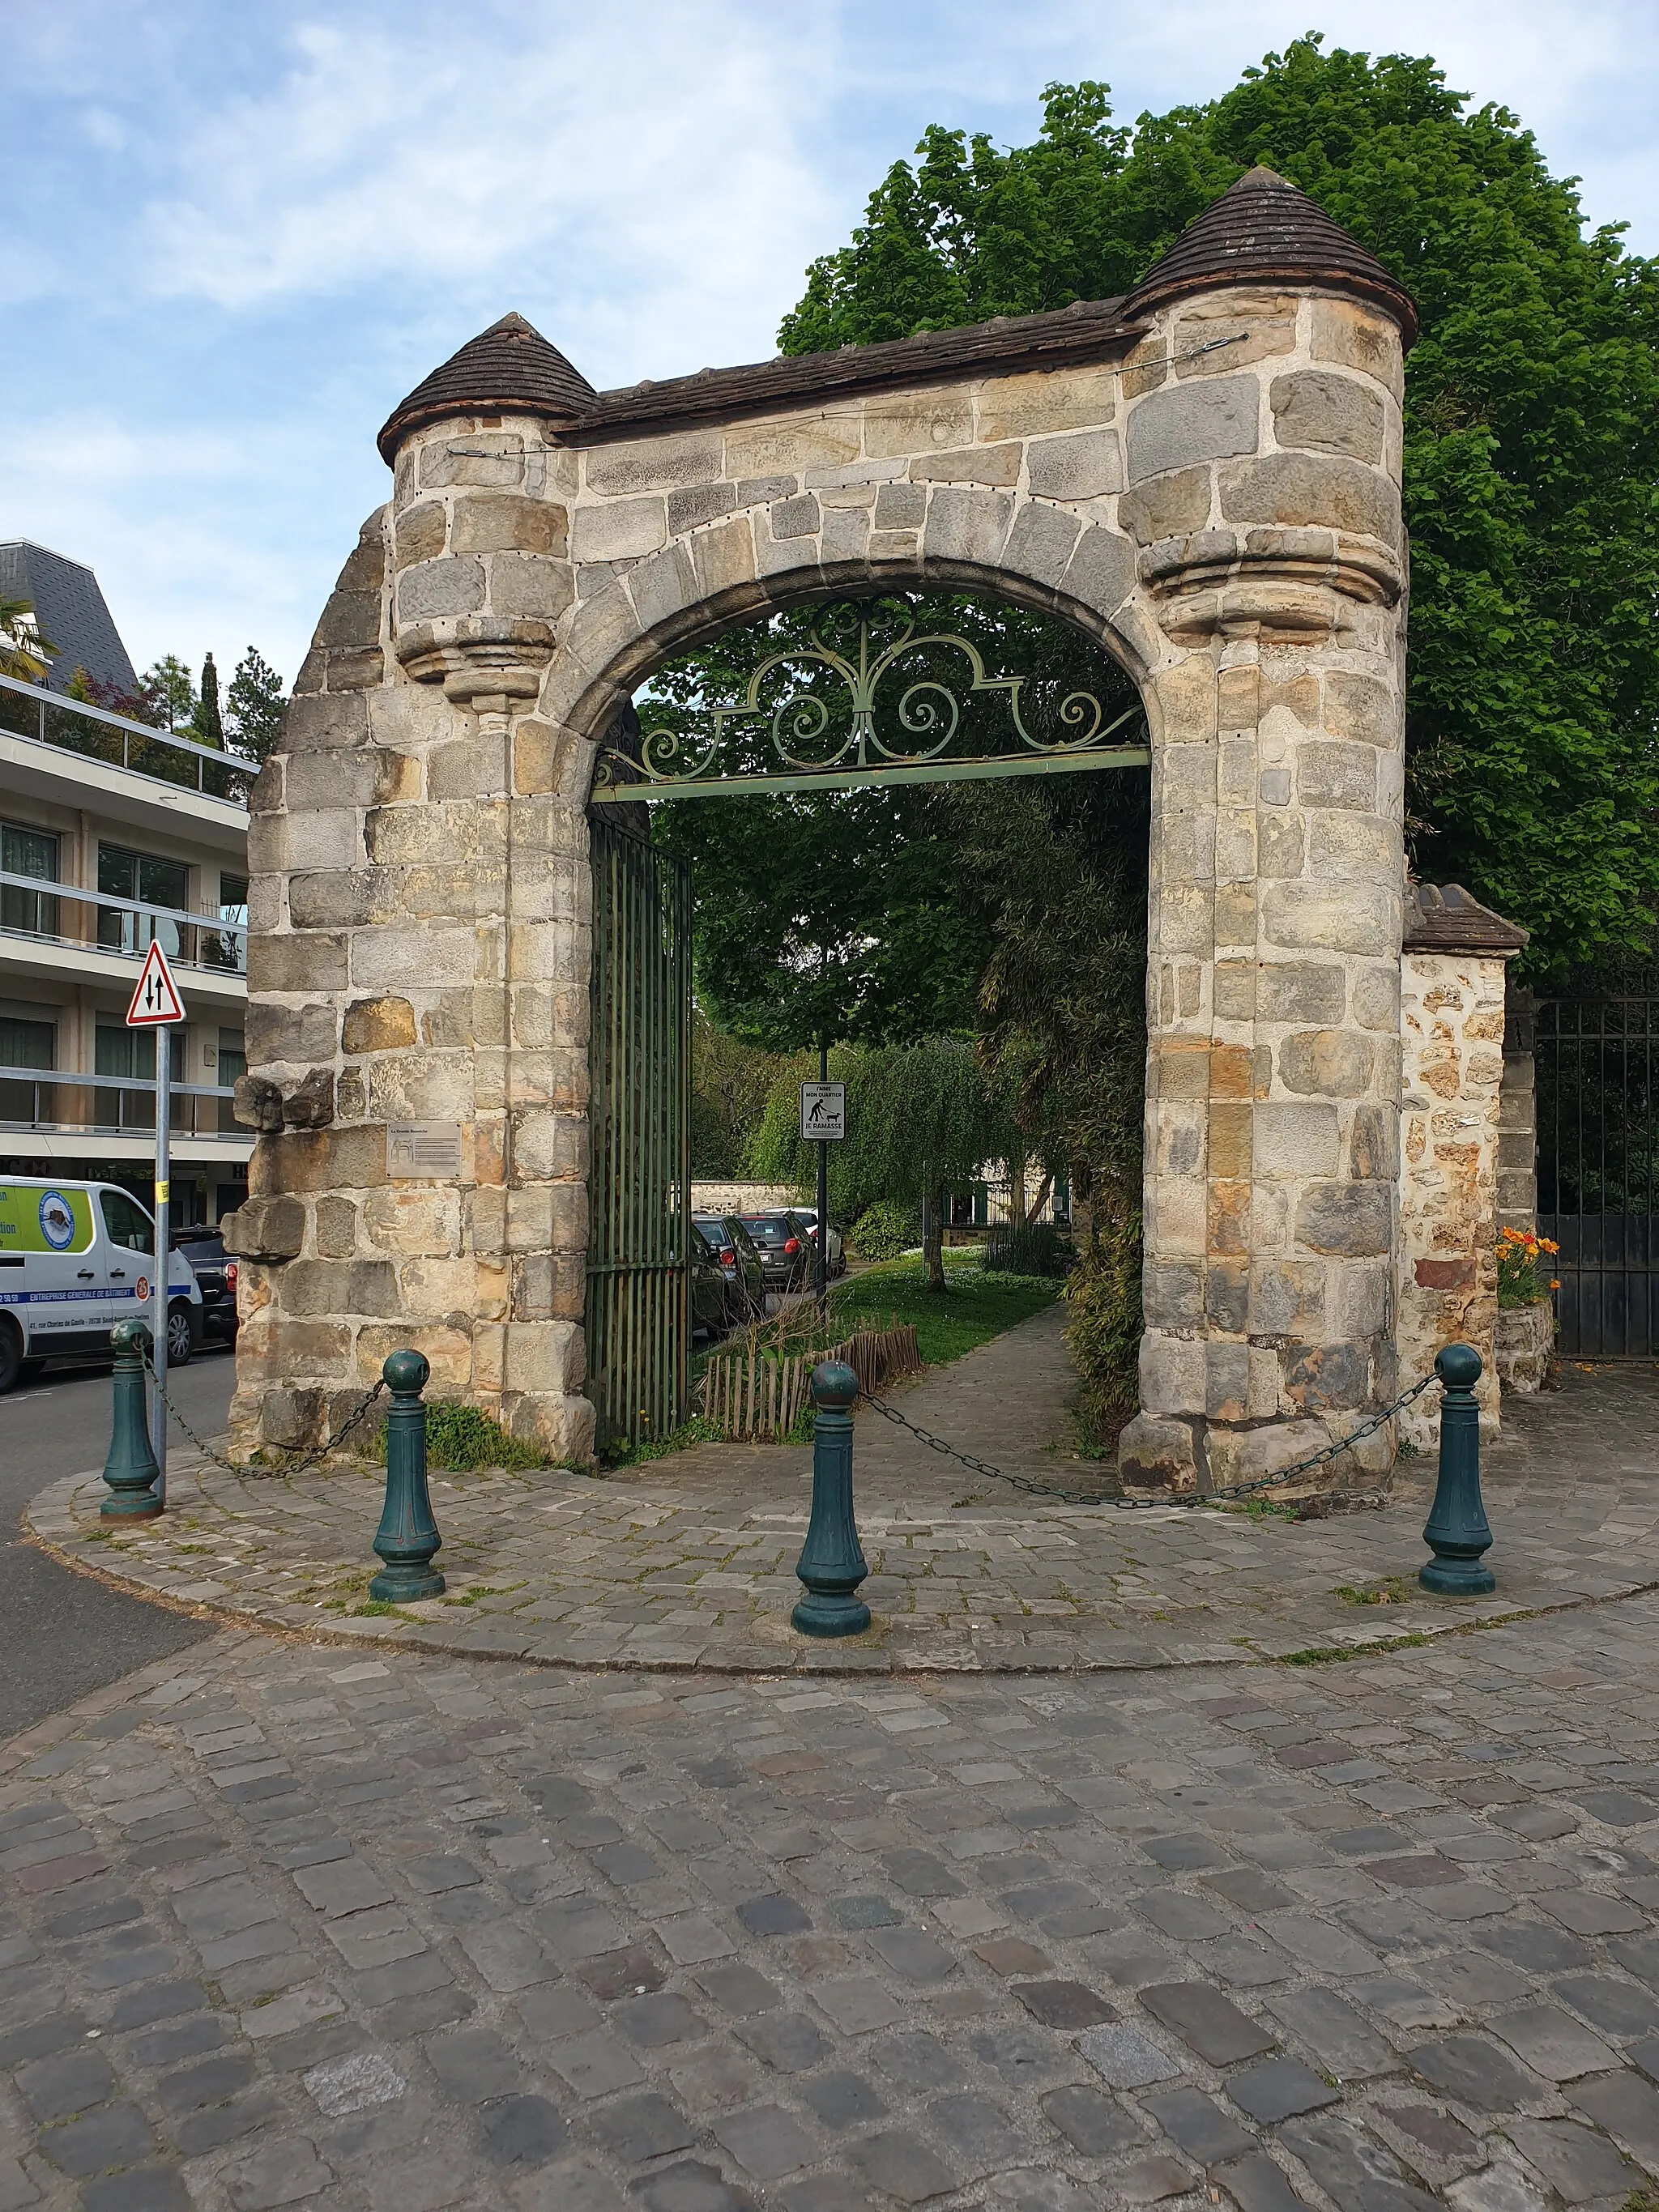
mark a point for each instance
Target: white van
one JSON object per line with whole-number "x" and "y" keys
{"x": 75, "y": 1259}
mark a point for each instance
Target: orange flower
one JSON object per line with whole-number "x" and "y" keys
{"x": 1554, "y": 1285}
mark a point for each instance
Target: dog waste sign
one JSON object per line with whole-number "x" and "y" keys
{"x": 822, "y": 1112}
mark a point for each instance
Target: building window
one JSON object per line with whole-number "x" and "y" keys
{"x": 227, "y": 947}
{"x": 142, "y": 876}
{"x": 26, "y": 1044}
{"x": 25, "y": 852}
{"x": 233, "y": 1062}
{"x": 131, "y": 1053}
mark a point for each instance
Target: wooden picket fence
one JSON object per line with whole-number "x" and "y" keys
{"x": 760, "y": 1387}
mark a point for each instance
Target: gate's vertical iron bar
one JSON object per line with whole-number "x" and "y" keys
{"x": 638, "y": 1196}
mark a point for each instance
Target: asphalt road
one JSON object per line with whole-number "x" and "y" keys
{"x": 61, "y": 1635}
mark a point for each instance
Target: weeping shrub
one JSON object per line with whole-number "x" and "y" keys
{"x": 884, "y": 1230}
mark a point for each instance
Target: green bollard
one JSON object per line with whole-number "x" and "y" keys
{"x": 131, "y": 1469}
{"x": 1456, "y": 1530}
{"x": 408, "y": 1535}
{"x": 832, "y": 1565}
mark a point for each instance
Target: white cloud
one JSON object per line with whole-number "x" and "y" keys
{"x": 645, "y": 153}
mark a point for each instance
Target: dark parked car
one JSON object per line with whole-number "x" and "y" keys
{"x": 808, "y": 1217}
{"x": 745, "y": 1280}
{"x": 785, "y": 1248}
{"x": 708, "y": 1291}
{"x": 216, "y": 1273}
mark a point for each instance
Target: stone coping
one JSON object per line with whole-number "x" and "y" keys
{"x": 690, "y": 1565}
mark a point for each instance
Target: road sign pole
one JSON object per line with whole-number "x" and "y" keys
{"x": 823, "y": 1194}
{"x": 163, "y": 1250}
{"x": 155, "y": 1005}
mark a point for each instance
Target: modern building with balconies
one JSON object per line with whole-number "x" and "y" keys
{"x": 113, "y": 835}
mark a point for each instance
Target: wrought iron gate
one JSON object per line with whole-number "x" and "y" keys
{"x": 639, "y": 1116}
{"x": 1598, "y": 1170}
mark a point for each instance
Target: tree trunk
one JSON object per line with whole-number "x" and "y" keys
{"x": 1016, "y": 1216}
{"x": 933, "y": 1240}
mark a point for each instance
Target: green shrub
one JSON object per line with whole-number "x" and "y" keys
{"x": 1038, "y": 1248}
{"x": 884, "y": 1230}
{"x": 1104, "y": 1293}
{"x": 460, "y": 1439}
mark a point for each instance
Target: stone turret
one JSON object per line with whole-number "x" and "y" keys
{"x": 1263, "y": 492}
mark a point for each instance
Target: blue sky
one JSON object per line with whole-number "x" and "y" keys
{"x": 237, "y": 234}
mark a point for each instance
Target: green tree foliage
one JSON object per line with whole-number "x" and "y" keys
{"x": 173, "y": 692}
{"x": 207, "y": 724}
{"x": 1058, "y": 867}
{"x": 922, "y": 1119}
{"x": 842, "y": 913}
{"x": 255, "y": 699}
{"x": 1532, "y": 423}
{"x": 731, "y": 1079}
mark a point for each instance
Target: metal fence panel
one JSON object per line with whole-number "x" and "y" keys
{"x": 1598, "y": 1170}
{"x": 638, "y": 1304}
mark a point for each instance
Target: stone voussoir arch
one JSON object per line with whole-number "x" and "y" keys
{"x": 1203, "y": 478}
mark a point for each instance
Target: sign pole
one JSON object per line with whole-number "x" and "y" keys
{"x": 823, "y": 1194}
{"x": 156, "y": 1006}
{"x": 163, "y": 1250}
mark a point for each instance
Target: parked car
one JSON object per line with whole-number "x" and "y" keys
{"x": 215, "y": 1272}
{"x": 708, "y": 1291}
{"x": 808, "y": 1215}
{"x": 76, "y": 1258}
{"x": 784, "y": 1246}
{"x": 745, "y": 1279}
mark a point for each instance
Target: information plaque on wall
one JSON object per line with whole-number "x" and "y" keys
{"x": 423, "y": 1152}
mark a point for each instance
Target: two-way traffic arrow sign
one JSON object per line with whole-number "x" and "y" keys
{"x": 155, "y": 1003}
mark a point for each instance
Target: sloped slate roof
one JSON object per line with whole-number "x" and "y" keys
{"x": 1262, "y": 228}
{"x": 1445, "y": 918}
{"x": 70, "y": 612}
{"x": 510, "y": 366}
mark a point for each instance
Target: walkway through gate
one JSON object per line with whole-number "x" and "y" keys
{"x": 1598, "y": 1170}
{"x": 639, "y": 1073}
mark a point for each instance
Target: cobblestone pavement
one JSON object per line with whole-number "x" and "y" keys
{"x": 689, "y": 1562}
{"x": 302, "y": 1926}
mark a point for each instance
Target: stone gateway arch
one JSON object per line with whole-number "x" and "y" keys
{"x": 1203, "y": 476}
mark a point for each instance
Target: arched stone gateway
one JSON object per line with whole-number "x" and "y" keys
{"x": 1204, "y": 476}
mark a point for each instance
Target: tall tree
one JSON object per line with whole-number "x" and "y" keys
{"x": 207, "y": 725}
{"x": 1532, "y": 423}
{"x": 168, "y": 682}
{"x": 256, "y": 701}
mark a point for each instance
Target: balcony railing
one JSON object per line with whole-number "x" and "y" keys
{"x": 45, "y": 718}
{"x": 123, "y": 926}
{"x": 121, "y": 1105}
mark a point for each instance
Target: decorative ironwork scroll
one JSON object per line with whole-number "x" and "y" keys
{"x": 814, "y": 716}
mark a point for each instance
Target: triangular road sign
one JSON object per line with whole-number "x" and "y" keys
{"x": 155, "y": 1003}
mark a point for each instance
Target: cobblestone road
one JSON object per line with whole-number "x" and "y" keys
{"x": 305, "y": 1926}
{"x": 689, "y": 1562}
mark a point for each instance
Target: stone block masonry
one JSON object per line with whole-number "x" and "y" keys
{"x": 1203, "y": 479}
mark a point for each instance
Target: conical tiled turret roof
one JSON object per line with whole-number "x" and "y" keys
{"x": 1260, "y": 230}
{"x": 509, "y": 368}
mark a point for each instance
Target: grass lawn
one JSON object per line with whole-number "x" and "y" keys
{"x": 974, "y": 1309}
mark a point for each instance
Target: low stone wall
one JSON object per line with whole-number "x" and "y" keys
{"x": 1524, "y": 1347}
{"x": 1452, "y": 1070}
{"x": 741, "y": 1197}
